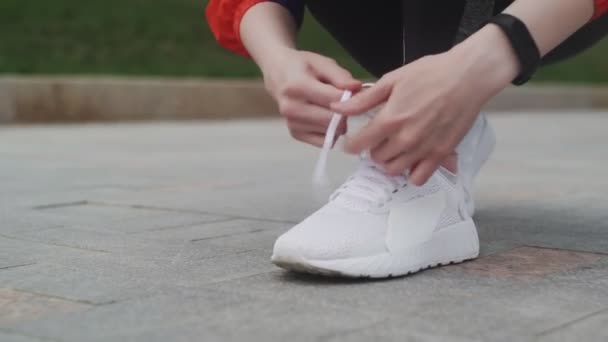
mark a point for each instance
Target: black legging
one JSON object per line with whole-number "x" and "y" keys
{"x": 373, "y": 32}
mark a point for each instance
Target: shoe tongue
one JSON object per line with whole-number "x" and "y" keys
{"x": 357, "y": 199}
{"x": 452, "y": 178}
{"x": 440, "y": 179}
{"x": 352, "y": 202}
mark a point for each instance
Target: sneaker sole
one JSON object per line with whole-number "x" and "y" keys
{"x": 451, "y": 245}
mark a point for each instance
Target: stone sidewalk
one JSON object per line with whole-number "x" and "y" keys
{"x": 163, "y": 232}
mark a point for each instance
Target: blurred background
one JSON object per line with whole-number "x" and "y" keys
{"x": 168, "y": 38}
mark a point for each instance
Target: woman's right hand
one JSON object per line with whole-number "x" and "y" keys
{"x": 304, "y": 84}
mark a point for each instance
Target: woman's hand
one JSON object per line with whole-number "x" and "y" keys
{"x": 430, "y": 104}
{"x": 304, "y": 84}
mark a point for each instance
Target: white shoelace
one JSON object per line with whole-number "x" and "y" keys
{"x": 370, "y": 183}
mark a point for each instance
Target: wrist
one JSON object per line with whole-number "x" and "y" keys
{"x": 267, "y": 31}
{"x": 272, "y": 58}
{"x": 490, "y": 58}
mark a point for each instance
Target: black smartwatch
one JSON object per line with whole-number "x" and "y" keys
{"x": 523, "y": 44}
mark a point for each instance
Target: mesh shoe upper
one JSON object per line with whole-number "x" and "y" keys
{"x": 350, "y": 226}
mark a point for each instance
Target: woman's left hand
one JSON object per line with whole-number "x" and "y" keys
{"x": 430, "y": 105}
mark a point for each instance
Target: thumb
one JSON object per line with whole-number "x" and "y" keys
{"x": 328, "y": 71}
{"x": 364, "y": 100}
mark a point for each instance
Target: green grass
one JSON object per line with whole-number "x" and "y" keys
{"x": 165, "y": 38}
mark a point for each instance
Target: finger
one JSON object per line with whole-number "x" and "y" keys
{"x": 402, "y": 163}
{"x": 391, "y": 148}
{"x": 342, "y": 126}
{"x": 364, "y": 100}
{"x": 370, "y": 136}
{"x": 303, "y": 126}
{"x": 306, "y": 113}
{"x": 314, "y": 139}
{"x": 314, "y": 91}
{"x": 423, "y": 171}
{"x": 379, "y": 153}
{"x": 413, "y": 151}
{"x": 307, "y": 126}
{"x": 330, "y": 72}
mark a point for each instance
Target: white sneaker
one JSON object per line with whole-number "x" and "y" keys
{"x": 379, "y": 226}
{"x": 473, "y": 152}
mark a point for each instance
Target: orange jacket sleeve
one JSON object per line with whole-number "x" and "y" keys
{"x": 224, "y": 19}
{"x": 601, "y": 8}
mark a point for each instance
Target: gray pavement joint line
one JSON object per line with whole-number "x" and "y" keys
{"x": 538, "y": 246}
{"x": 141, "y": 296}
{"x": 15, "y": 266}
{"x": 53, "y": 244}
{"x": 201, "y": 223}
{"x": 227, "y": 254}
{"x": 185, "y": 225}
{"x": 253, "y": 231}
{"x": 567, "y": 250}
{"x": 571, "y": 323}
{"x": 19, "y": 333}
{"x": 61, "y": 205}
{"x": 190, "y": 211}
{"x": 224, "y": 280}
{"x": 73, "y": 300}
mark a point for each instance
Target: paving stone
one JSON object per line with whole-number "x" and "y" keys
{"x": 234, "y": 228}
{"x": 121, "y": 218}
{"x": 164, "y": 219}
{"x": 530, "y": 262}
{"x": 151, "y": 220}
{"x": 7, "y": 263}
{"x": 393, "y": 330}
{"x": 208, "y": 315}
{"x": 96, "y": 241}
{"x": 131, "y": 317}
{"x": 167, "y": 245}
{"x": 15, "y": 252}
{"x": 594, "y": 327}
{"x": 107, "y": 278}
{"x": 26, "y": 220}
{"x": 19, "y": 306}
{"x": 101, "y": 285}
{"x": 469, "y": 307}
{"x": 264, "y": 321}
{"x": 242, "y": 235}
{"x": 7, "y": 336}
{"x": 557, "y": 227}
{"x": 285, "y": 203}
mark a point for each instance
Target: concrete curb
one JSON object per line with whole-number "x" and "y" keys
{"x": 76, "y": 99}
{"x": 66, "y": 99}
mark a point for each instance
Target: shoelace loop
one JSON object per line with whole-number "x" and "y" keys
{"x": 370, "y": 182}
{"x": 320, "y": 179}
